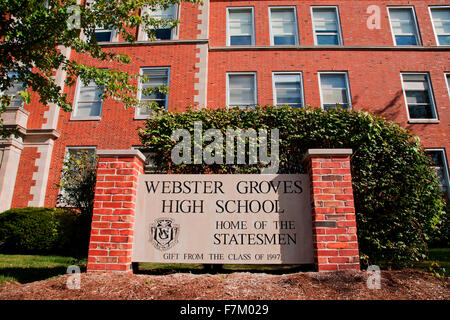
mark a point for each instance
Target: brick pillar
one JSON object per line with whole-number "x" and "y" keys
{"x": 333, "y": 210}
{"x": 111, "y": 242}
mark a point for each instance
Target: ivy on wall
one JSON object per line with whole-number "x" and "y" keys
{"x": 397, "y": 197}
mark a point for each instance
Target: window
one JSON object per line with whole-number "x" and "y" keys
{"x": 73, "y": 151}
{"x": 326, "y": 26}
{"x": 288, "y": 89}
{"x": 104, "y": 35}
{"x": 240, "y": 27}
{"x": 241, "y": 89}
{"x": 88, "y": 103}
{"x": 334, "y": 90}
{"x": 283, "y": 26}
{"x": 440, "y": 164}
{"x": 16, "y": 99}
{"x": 418, "y": 96}
{"x": 441, "y": 24}
{"x": 404, "y": 26}
{"x": 165, "y": 32}
{"x": 101, "y": 34}
{"x": 156, "y": 77}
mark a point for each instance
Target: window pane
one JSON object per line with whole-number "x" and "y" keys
{"x": 165, "y": 33}
{"x": 16, "y": 86}
{"x": 325, "y": 19}
{"x": 90, "y": 93}
{"x": 241, "y": 90}
{"x": 240, "y": 26}
{"x": 437, "y": 157}
{"x": 89, "y": 151}
{"x": 326, "y": 26}
{"x": 88, "y": 109}
{"x": 420, "y": 112}
{"x": 162, "y": 13}
{"x": 334, "y": 89}
{"x": 441, "y": 20}
{"x": 403, "y": 26}
{"x": 288, "y": 90}
{"x": 417, "y": 97}
{"x": 444, "y": 40}
{"x": 156, "y": 78}
{"x": 88, "y": 100}
{"x": 284, "y": 26}
{"x": 240, "y": 40}
{"x": 327, "y": 40}
{"x": 284, "y": 40}
{"x": 417, "y": 92}
{"x": 103, "y": 36}
{"x": 406, "y": 40}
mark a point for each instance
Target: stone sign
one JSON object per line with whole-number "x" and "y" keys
{"x": 224, "y": 219}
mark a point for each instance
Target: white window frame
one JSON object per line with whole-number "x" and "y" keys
{"x": 255, "y": 80}
{"x": 347, "y": 84}
{"x": 75, "y": 106}
{"x": 447, "y": 81}
{"x": 142, "y": 35}
{"x": 432, "y": 22}
{"x": 446, "y": 169}
{"x": 297, "y": 41}
{"x": 416, "y": 25}
{"x": 302, "y": 91}
{"x": 138, "y": 116}
{"x": 228, "y": 25}
{"x": 339, "y": 31}
{"x": 431, "y": 96}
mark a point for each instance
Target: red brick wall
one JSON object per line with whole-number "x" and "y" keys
{"x": 335, "y": 239}
{"x": 24, "y": 179}
{"x": 117, "y": 128}
{"x": 111, "y": 241}
{"x": 352, "y": 13}
{"x": 374, "y": 76}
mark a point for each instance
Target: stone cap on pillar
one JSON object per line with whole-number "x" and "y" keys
{"x": 121, "y": 154}
{"x": 327, "y": 153}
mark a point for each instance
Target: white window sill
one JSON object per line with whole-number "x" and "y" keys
{"x": 98, "y": 118}
{"x": 141, "y": 117}
{"x": 423, "y": 121}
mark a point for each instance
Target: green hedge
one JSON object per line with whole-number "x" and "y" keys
{"x": 44, "y": 231}
{"x": 397, "y": 195}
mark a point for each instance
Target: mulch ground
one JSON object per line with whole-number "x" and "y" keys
{"x": 242, "y": 286}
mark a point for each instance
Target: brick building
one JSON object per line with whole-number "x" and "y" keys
{"x": 388, "y": 57}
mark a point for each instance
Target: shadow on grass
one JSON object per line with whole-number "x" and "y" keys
{"x": 30, "y": 274}
{"x": 165, "y": 269}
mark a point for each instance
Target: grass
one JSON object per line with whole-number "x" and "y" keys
{"x": 29, "y": 268}
{"x": 167, "y": 268}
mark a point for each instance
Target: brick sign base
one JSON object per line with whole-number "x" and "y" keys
{"x": 333, "y": 211}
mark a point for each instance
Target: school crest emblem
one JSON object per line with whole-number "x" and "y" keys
{"x": 164, "y": 233}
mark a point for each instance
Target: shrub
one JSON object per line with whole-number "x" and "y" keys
{"x": 397, "y": 198}
{"x": 44, "y": 231}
